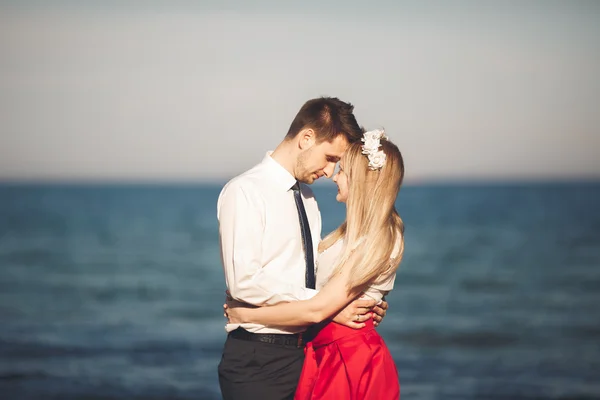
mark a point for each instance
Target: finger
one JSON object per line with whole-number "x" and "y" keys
{"x": 225, "y": 306}
{"x": 364, "y": 303}
{"x": 384, "y": 305}
{"x": 375, "y": 324}
{"x": 362, "y": 310}
{"x": 377, "y": 318}
{"x": 362, "y": 318}
{"x": 379, "y": 311}
{"x": 356, "y": 325}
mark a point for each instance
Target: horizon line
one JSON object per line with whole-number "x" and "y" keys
{"x": 458, "y": 181}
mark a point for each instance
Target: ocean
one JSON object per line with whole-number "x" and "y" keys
{"x": 115, "y": 292}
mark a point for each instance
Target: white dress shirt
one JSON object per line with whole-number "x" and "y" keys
{"x": 261, "y": 242}
{"x": 328, "y": 260}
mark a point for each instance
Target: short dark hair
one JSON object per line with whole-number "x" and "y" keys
{"x": 328, "y": 117}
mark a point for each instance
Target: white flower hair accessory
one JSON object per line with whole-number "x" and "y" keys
{"x": 370, "y": 148}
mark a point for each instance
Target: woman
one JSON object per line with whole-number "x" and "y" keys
{"x": 359, "y": 258}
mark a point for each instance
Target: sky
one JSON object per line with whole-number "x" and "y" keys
{"x": 196, "y": 91}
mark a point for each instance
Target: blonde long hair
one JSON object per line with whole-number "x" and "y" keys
{"x": 373, "y": 231}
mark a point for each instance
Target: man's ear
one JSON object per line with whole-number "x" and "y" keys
{"x": 306, "y": 139}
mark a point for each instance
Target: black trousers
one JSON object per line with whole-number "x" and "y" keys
{"x": 256, "y": 370}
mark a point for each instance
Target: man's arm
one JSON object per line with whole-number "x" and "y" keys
{"x": 241, "y": 212}
{"x": 323, "y": 305}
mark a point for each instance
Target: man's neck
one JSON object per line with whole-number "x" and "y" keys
{"x": 284, "y": 155}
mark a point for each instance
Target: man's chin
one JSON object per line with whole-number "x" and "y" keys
{"x": 309, "y": 179}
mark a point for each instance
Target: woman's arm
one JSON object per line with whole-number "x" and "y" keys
{"x": 334, "y": 296}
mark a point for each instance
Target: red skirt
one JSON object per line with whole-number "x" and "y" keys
{"x": 346, "y": 363}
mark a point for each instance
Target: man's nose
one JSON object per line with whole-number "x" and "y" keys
{"x": 328, "y": 170}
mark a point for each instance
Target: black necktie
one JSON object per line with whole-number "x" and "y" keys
{"x": 306, "y": 238}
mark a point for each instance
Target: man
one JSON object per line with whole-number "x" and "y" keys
{"x": 269, "y": 227}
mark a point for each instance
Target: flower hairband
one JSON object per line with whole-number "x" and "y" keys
{"x": 370, "y": 148}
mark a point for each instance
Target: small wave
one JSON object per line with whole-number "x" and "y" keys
{"x": 461, "y": 340}
{"x": 587, "y": 332}
{"x": 487, "y": 286}
{"x": 20, "y": 376}
{"x": 24, "y": 350}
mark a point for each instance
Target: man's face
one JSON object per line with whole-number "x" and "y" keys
{"x": 320, "y": 159}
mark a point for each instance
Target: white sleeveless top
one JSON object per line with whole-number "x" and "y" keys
{"x": 326, "y": 262}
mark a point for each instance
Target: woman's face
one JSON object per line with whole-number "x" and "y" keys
{"x": 341, "y": 179}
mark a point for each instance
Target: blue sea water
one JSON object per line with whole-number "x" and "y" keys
{"x": 115, "y": 292}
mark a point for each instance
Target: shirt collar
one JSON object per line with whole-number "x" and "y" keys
{"x": 279, "y": 175}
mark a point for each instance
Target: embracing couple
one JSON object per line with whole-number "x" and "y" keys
{"x": 302, "y": 311}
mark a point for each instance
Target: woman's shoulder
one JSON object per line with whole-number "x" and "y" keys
{"x": 337, "y": 245}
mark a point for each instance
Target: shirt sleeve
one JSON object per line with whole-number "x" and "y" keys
{"x": 381, "y": 288}
{"x": 385, "y": 283}
{"x": 241, "y": 214}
